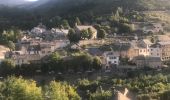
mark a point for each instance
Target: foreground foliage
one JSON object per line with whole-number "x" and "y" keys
{"x": 14, "y": 88}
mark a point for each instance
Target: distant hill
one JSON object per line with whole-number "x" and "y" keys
{"x": 28, "y": 15}
{"x": 62, "y": 6}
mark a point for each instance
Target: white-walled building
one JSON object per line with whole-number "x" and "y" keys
{"x": 58, "y": 31}
{"x": 111, "y": 58}
{"x": 39, "y": 29}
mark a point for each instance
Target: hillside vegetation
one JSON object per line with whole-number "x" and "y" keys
{"x": 27, "y": 18}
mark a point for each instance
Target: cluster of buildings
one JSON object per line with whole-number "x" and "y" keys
{"x": 33, "y": 50}
{"x": 140, "y": 52}
{"x": 40, "y": 42}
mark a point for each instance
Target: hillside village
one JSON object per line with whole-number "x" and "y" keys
{"x": 90, "y": 50}
{"x": 115, "y": 53}
{"x": 41, "y": 42}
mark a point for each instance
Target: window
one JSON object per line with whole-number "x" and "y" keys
{"x": 110, "y": 57}
{"x": 115, "y": 62}
{"x": 140, "y": 50}
{"x": 151, "y": 53}
{"x": 151, "y": 49}
{"x": 157, "y": 54}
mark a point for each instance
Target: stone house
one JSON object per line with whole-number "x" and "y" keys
{"x": 161, "y": 50}
{"x": 35, "y": 51}
{"x": 153, "y": 62}
{"x": 111, "y": 58}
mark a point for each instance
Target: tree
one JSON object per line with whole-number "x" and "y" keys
{"x": 165, "y": 95}
{"x": 120, "y": 10}
{"x": 11, "y": 45}
{"x": 101, "y": 95}
{"x": 85, "y": 61}
{"x": 97, "y": 63}
{"x": 101, "y": 34}
{"x": 19, "y": 89}
{"x": 65, "y": 24}
{"x": 73, "y": 36}
{"x": 18, "y": 35}
{"x": 90, "y": 32}
{"x": 84, "y": 34}
{"x": 7, "y": 66}
{"x": 77, "y": 21}
{"x": 126, "y": 28}
{"x": 61, "y": 91}
{"x": 55, "y": 62}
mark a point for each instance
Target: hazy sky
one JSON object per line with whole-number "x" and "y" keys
{"x": 15, "y": 2}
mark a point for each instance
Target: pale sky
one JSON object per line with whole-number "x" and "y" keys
{"x": 15, "y": 2}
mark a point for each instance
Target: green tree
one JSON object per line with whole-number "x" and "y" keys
{"x": 84, "y": 34}
{"x": 61, "y": 91}
{"x": 101, "y": 34}
{"x": 55, "y": 62}
{"x": 77, "y": 21}
{"x": 11, "y": 45}
{"x": 65, "y": 24}
{"x": 85, "y": 61}
{"x": 18, "y": 35}
{"x": 73, "y": 36}
{"x": 97, "y": 63}
{"x": 90, "y": 33}
{"x": 125, "y": 28}
{"x": 7, "y": 66}
{"x": 165, "y": 95}
{"x": 19, "y": 89}
{"x": 101, "y": 95}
